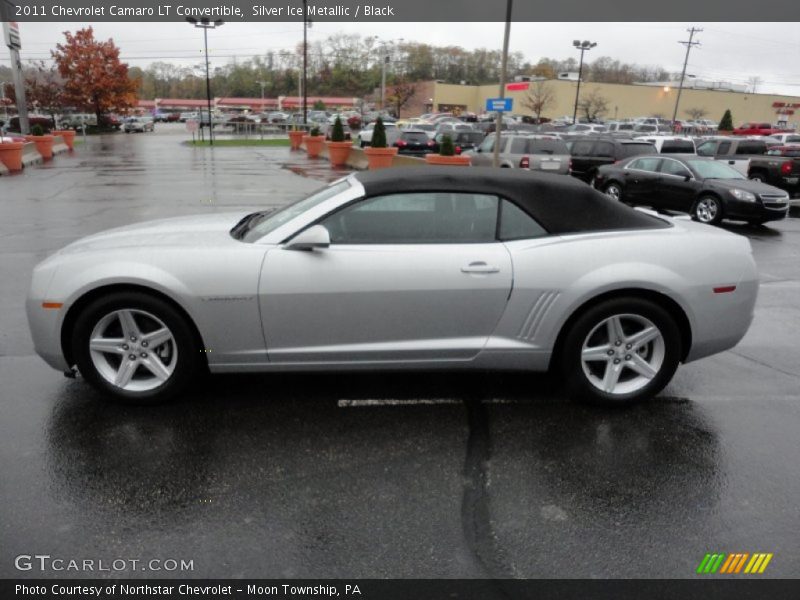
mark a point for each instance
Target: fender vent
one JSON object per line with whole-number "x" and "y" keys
{"x": 536, "y": 314}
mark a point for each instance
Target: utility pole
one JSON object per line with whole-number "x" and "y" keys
{"x": 503, "y": 76}
{"x": 262, "y": 84}
{"x": 688, "y": 45}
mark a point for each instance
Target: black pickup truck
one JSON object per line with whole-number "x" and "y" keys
{"x": 756, "y": 159}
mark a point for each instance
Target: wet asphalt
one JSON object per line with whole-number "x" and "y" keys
{"x": 377, "y": 475}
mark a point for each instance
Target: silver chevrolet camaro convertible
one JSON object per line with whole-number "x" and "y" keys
{"x": 420, "y": 268}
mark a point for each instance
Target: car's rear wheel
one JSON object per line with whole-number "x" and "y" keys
{"x": 707, "y": 209}
{"x": 135, "y": 347}
{"x": 757, "y": 177}
{"x": 620, "y": 351}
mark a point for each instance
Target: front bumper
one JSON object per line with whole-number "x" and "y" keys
{"x": 756, "y": 211}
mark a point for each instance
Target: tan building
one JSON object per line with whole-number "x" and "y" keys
{"x": 628, "y": 101}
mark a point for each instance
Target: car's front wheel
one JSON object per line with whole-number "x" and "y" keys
{"x": 620, "y": 351}
{"x": 614, "y": 191}
{"x": 707, "y": 209}
{"x": 136, "y": 347}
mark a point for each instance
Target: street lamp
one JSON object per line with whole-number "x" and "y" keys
{"x": 205, "y": 24}
{"x": 583, "y": 46}
{"x": 3, "y": 99}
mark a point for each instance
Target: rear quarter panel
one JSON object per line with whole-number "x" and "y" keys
{"x": 553, "y": 279}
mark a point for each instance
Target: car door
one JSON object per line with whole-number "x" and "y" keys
{"x": 674, "y": 190}
{"x": 582, "y": 159}
{"x": 641, "y": 178}
{"x": 407, "y": 277}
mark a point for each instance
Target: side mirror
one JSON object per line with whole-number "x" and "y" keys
{"x": 687, "y": 177}
{"x": 313, "y": 237}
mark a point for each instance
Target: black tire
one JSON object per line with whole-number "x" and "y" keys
{"x": 702, "y": 210}
{"x": 189, "y": 363}
{"x": 757, "y": 177}
{"x": 609, "y": 188}
{"x": 576, "y": 381}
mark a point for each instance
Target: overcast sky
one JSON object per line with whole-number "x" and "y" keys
{"x": 729, "y": 52}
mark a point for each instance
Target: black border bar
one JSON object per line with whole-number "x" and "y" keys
{"x": 399, "y": 11}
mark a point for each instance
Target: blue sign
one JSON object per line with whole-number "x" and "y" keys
{"x": 499, "y": 104}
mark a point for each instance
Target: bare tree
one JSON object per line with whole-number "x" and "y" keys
{"x": 593, "y": 104}
{"x": 540, "y": 96}
{"x": 753, "y": 83}
{"x": 696, "y": 113}
{"x": 399, "y": 95}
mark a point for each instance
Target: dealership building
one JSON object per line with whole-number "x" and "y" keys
{"x": 623, "y": 100}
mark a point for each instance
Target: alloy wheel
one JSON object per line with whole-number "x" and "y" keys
{"x": 133, "y": 350}
{"x": 707, "y": 210}
{"x": 622, "y": 354}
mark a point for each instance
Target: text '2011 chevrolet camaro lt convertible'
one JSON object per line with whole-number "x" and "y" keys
{"x": 419, "y": 268}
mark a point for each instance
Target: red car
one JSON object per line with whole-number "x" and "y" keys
{"x": 758, "y": 129}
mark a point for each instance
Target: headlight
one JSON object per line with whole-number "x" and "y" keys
{"x": 743, "y": 196}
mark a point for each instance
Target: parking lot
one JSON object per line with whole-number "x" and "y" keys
{"x": 378, "y": 475}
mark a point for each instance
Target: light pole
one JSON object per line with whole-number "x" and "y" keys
{"x": 3, "y": 99}
{"x": 262, "y": 84}
{"x": 305, "y": 62}
{"x": 205, "y": 24}
{"x": 498, "y": 124}
{"x": 386, "y": 60}
{"x": 583, "y": 46}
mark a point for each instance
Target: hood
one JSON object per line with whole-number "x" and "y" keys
{"x": 755, "y": 187}
{"x": 192, "y": 231}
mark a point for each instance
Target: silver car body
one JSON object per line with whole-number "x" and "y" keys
{"x": 515, "y": 146}
{"x": 261, "y": 306}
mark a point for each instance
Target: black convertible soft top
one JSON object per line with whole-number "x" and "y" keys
{"x": 561, "y": 204}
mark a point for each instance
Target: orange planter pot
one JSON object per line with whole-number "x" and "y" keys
{"x": 11, "y": 155}
{"x": 69, "y": 137}
{"x": 338, "y": 152}
{"x": 454, "y": 161}
{"x": 313, "y": 144}
{"x": 295, "y": 139}
{"x": 380, "y": 158}
{"x": 44, "y": 144}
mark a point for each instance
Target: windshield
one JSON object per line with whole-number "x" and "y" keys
{"x": 270, "y": 220}
{"x": 711, "y": 169}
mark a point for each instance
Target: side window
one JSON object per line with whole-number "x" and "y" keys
{"x": 516, "y": 224}
{"x": 645, "y": 164}
{"x": 673, "y": 167}
{"x": 604, "y": 149}
{"x": 416, "y": 218}
{"x": 518, "y": 146}
{"x": 723, "y": 148}
{"x": 488, "y": 144}
{"x": 582, "y": 148}
{"x": 754, "y": 147}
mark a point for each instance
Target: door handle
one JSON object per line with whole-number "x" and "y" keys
{"x": 479, "y": 267}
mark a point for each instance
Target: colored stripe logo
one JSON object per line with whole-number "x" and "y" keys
{"x": 734, "y": 563}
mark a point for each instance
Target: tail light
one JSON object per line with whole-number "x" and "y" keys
{"x": 525, "y": 162}
{"x": 431, "y": 143}
{"x": 458, "y": 149}
{"x": 786, "y": 168}
{"x": 400, "y": 143}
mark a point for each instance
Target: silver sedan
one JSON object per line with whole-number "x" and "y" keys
{"x": 399, "y": 269}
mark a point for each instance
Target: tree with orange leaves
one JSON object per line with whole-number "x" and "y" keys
{"x": 94, "y": 78}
